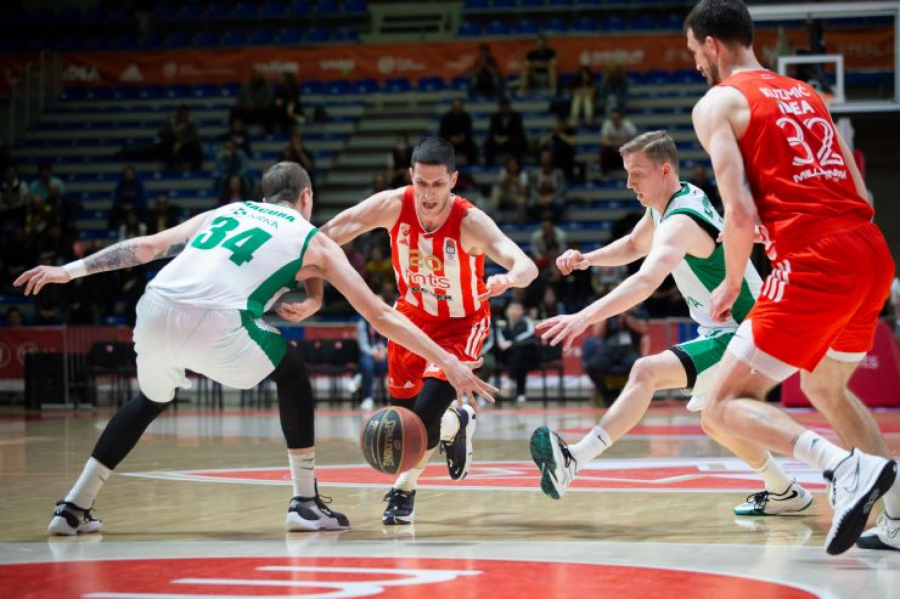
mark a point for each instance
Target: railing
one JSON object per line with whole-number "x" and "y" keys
{"x": 33, "y": 88}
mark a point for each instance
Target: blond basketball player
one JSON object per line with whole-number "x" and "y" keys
{"x": 438, "y": 245}
{"x": 202, "y": 313}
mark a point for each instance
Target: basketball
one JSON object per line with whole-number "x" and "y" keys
{"x": 393, "y": 440}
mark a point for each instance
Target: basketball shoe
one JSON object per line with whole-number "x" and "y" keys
{"x": 400, "y": 509}
{"x": 313, "y": 513}
{"x": 69, "y": 520}
{"x": 793, "y": 502}
{"x": 459, "y": 450}
{"x": 856, "y": 484}
{"x": 558, "y": 467}
{"x": 885, "y": 535}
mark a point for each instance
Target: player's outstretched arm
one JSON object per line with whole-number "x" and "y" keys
{"x": 479, "y": 231}
{"x": 330, "y": 258}
{"x": 124, "y": 254}
{"x": 672, "y": 242}
{"x": 620, "y": 252}
{"x": 716, "y": 133}
{"x": 378, "y": 211}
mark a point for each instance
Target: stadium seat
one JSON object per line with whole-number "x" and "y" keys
{"x": 397, "y": 84}
{"x": 163, "y": 13}
{"x": 179, "y": 91}
{"x": 531, "y": 3}
{"x": 559, "y": 2}
{"x": 356, "y": 6}
{"x": 585, "y": 25}
{"x": 261, "y": 37}
{"x": 468, "y": 29}
{"x": 365, "y": 86}
{"x": 289, "y": 35}
{"x": 642, "y": 23}
{"x": 526, "y": 27}
{"x": 328, "y": 7}
{"x": 497, "y": 28}
{"x": 177, "y": 39}
{"x": 151, "y": 41}
{"x": 206, "y": 39}
{"x": 218, "y": 11}
{"x": 612, "y": 23}
{"x": 556, "y": 25}
{"x": 273, "y": 9}
{"x": 671, "y": 22}
{"x": 190, "y": 12}
{"x": 346, "y": 34}
{"x": 475, "y": 5}
{"x": 121, "y": 42}
{"x": 70, "y": 15}
{"x": 234, "y": 37}
{"x": 96, "y": 43}
{"x": 244, "y": 11}
{"x": 338, "y": 87}
{"x": 503, "y": 4}
{"x": 431, "y": 84}
{"x": 317, "y": 35}
{"x": 309, "y": 88}
{"x": 300, "y": 8}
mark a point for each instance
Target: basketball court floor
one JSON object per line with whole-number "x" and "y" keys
{"x": 197, "y": 511}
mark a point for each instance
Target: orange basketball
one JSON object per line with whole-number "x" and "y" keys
{"x": 393, "y": 440}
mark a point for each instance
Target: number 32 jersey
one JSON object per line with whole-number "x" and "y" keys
{"x": 802, "y": 188}
{"x": 244, "y": 257}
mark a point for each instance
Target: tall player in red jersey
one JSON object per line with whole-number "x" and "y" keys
{"x": 780, "y": 164}
{"x": 438, "y": 244}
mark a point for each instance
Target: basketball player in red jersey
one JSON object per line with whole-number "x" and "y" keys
{"x": 780, "y": 164}
{"x": 438, "y": 244}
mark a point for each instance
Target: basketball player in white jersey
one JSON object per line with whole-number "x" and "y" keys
{"x": 202, "y": 313}
{"x": 677, "y": 235}
{"x": 438, "y": 245}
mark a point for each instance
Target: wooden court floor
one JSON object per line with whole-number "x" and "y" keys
{"x": 197, "y": 511}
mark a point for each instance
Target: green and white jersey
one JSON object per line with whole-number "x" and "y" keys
{"x": 697, "y": 277}
{"x": 244, "y": 257}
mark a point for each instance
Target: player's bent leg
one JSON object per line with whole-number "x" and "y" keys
{"x": 72, "y": 515}
{"x": 558, "y": 462}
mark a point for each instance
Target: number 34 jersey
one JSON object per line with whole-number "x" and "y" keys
{"x": 801, "y": 185}
{"x": 244, "y": 257}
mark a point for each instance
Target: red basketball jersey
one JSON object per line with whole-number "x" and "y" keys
{"x": 802, "y": 187}
{"x": 434, "y": 273}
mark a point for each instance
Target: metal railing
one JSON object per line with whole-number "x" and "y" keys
{"x": 33, "y": 88}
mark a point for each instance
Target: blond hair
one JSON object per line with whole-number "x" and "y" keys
{"x": 658, "y": 146}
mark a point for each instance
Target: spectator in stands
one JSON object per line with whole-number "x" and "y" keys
{"x": 562, "y": 143}
{"x": 355, "y": 257}
{"x": 489, "y": 356}
{"x": 132, "y": 226}
{"x": 180, "y": 141}
{"x": 164, "y": 215}
{"x": 584, "y": 97}
{"x": 401, "y": 155}
{"x": 296, "y": 152}
{"x": 378, "y": 267}
{"x": 38, "y": 215}
{"x": 548, "y": 190}
{"x": 47, "y": 313}
{"x": 613, "y": 94}
{"x": 511, "y": 191}
{"x": 613, "y": 346}
{"x": 237, "y": 132}
{"x": 128, "y": 195}
{"x": 255, "y": 103}
{"x": 701, "y": 179}
{"x": 518, "y": 345}
{"x": 13, "y": 199}
{"x": 456, "y": 127}
{"x": 18, "y": 252}
{"x": 235, "y": 190}
{"x": 547, "y": 243}
{"x": 540, "y": 68}
{"x": 231, "y": 161}
{"x": 506, "y": 134}
{"x": 50, "y": 190}
{"x": 286, "y": 98}
{"x": 616, "y": 132}
{"x": 372, "y": 351}
{"x": 51, "y": 242}
{"x": 549, "y": 306}
{"x": 485, "y": 79}
{"x": 605, "y": 278}
{"x": 13, "y": 317}
{"x": 379, "y": 184}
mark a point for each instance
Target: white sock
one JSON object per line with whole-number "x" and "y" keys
{"x": 303, "y": 474}
{"x": 774, "y": 477}
{"x": 818, "y": 452}
{"x": 92, "y": 478}
{"x": 449, "y": 424}
{"x": 408, "y": 480}
{"x": 892, "y": 500}
{"x": 593, "y": 444}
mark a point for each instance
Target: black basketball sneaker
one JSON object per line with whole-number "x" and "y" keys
{"x": 313, "y": 513}
{"x": 69, "y": 520}
{"x": 400, "y": 509}
{"x": 459, "y": 449}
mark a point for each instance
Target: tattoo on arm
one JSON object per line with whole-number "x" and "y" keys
{"x": 172, "y": 250}
{"x": 116, "y": 256}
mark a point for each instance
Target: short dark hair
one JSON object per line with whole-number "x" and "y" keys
{"x": 728, "y": 21}
{"x": 434, "y": 151}
{"x": 284, "y": 181}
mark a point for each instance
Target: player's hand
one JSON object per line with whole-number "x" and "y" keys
{"x": 467, "y": 384}
{"x": 497, "y": 285}
{"x": 572, "y": 260}
{"x": 35, "y": 279}
{"x": 298, "y": 311}
{"x": 721, "y": 300}
{"x": 562, "y": 329}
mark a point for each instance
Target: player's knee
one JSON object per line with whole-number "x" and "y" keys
{"x": 821, "y": 391}
{"x": 642, "y": 373}
{"x": 706, "y": 423}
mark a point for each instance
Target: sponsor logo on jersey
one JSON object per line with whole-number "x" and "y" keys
{"x": 403, "y": 235}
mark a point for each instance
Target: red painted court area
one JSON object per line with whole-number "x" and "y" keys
{"x": 363, "y": 577}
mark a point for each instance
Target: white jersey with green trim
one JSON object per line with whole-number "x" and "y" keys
{"x": 697, "y": 277}
{"x": 244, "y": 257}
